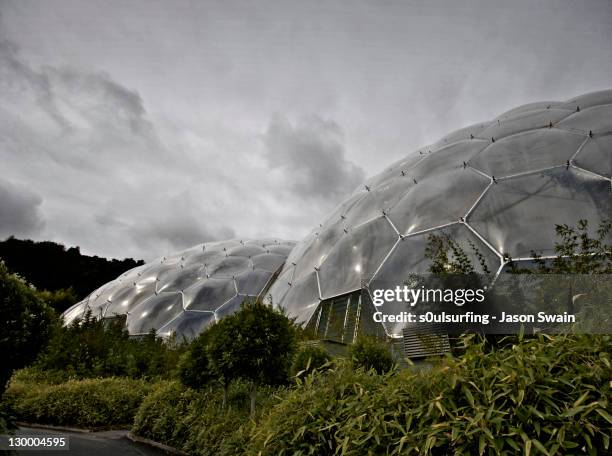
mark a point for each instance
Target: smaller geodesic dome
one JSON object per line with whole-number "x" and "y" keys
{"x": 185, "y": 292}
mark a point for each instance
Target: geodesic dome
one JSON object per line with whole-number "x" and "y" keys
{"x": 501, "y": 185}
{"x": 185, "y": 292}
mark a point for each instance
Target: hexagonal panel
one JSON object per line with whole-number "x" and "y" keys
{"x": 596, "y": 155}
{"x": 530, "y": 120}
{"x": 514, "y": 207}
{"x": 209, "y": 294}
{"x": 526, "y": 152}
{"x": 595, "y": 120}
{"x": 253, "y": 282}
{"x": 355, "y": 257}
{"x": 154, "y": 312}
{"x": 188, "y": 325}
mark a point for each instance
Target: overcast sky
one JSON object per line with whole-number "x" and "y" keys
{"x": 135, "y": 128}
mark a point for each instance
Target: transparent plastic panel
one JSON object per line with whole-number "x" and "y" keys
{"x": 408, "y": 257}
{"x": 154, "y": 312}
{"x": 537, "y": 106}
{"x": 302, "y": 297}
{"x": 209, "y": 294}
{"x": 589, "y": 99}
{"x": 279, "y": 288}
{"x": 180, "y": 278}
{"x": 442, "y": 198}
{"x": 204, "y": 257}
{"x": 268, "y": 261}
{"x": 283, "y": 250}
{"x": 74, "y": 312}
{"x": 318, "y": 249}
{"x": 126, "y": 298}
{"x": 356, "y": 257}
{"x": 395, "y": 170}
{"x": 597, "y": 119}
{"x": 525, "y": 152}
{"x": 228, "y": 267}
{"x": 233, "y": 305}
{"x": 376, "y": 201}
{"x": 519, "y": 215}
{"x": 596, "y": 155}
{"x": 253, "y": 282}
{"x": 446, "y": 159}
{"x": 188, "y": 325}
{"x": 246, "y": 250}
{"x": 525, "y": 121}
{"x": 458, "y": 135}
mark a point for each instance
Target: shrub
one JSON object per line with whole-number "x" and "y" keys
{"x": 547, "y": 394}
{"x": 369, "y": 353}
{"x": 103, "y": 348}
{"x": 196, "y": 422}
{"x": 194, "y": 369}
{"x": 308, "y": 359}
{"x": 102, "y": 402}
{"x": 25, "y": 323}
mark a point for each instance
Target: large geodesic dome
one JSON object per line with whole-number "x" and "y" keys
{"x": 185, "y": 292}
{"x": 501, "y": 185}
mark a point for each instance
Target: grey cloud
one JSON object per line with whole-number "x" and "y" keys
{"x": 20, "y": 213}
{"x": 312, "y": 155}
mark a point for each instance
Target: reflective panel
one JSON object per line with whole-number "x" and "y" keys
{"x": 538, "y": 105}
{"x": 253, "y": 282}
{"x": 154, "y": 312}
{"x": 233, "y": 305}
{"x": 589, "y": 99}
{"x": 417, "y": 210}
{"x": 525, "y": 204}
{"x": 527, "y": 152}
{"x": 74, "y": 312}
{"x": 530, "y": 120}
{"x": 151, "y": 297}
{"x": 301, "y": 298}
{"x": 209, "y": 294}
{"x": 357, "y": 255}
{"x": 596, "y": 155}
{"x": 188, "y": 325}
{"x": 595, "y": 120}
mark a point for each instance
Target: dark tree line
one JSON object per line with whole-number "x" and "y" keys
{"x": 51, "y": 266}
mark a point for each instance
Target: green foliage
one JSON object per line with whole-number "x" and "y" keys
{"x": 256, "y": 344}
{"x": 196, "y": 422}
{"x": 51, "y": 266}
{"x": 547, "y": 394}
{"x": 101, "y": 402}
{"x": 370, "y": 353}
{"x": 308, "y": 359}
{"x": 449, "y": 257}
{"x": 59, "y": 300}
{"x": 25, "y": 323}
{"x": 194, "y": 369}
{"x": 102, "y": 348}
{"x": 577, "y": 252}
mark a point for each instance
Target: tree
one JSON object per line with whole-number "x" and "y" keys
{"x": 25, "y": 323}
{"x": 256, "y": 343}
{"x": 195, "y": 370}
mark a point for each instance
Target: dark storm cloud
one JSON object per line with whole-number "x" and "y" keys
{"x": 19, "y": 210}
{"x": 312, "y": 156}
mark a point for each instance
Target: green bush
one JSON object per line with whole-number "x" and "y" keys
{"x": 194, "y": 368}
{"x": 196, "y": 422}
{"x": 369, "y": 353}
{"x": 101, "y": 402}
{"x": 548, "y": 395}
{"x": 308, "y": 359}
{"x": 25, "y": 323}
{"x": 103, "y": 348}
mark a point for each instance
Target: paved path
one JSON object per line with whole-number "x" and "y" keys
{"x": 114, "y": 443}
